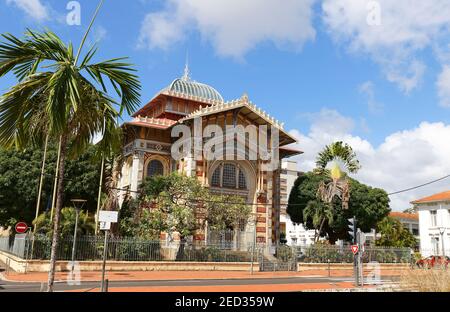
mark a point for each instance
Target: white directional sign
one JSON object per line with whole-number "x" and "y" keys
{"x": 105, "y": 226}
{"x": 108, "y": 216}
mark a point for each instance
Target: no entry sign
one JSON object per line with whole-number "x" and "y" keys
{"x": 21, "y": 227}
{"x": 355, "y": 249}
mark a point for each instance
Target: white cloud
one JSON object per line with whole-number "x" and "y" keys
{"x": 443, "y": 84}
{"x": 233, "y": 27}
{"x": 100, "y": 33}
{"x": 406, "y": 28}
{"x": 33, "y": 8}
{"x": 368, "y": 89}
{"x": 405, "y": 158}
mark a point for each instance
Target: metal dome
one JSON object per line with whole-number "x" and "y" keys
{"x": 193, "y": 88}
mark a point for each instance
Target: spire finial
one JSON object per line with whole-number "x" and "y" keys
{"x": 187, "y": 73}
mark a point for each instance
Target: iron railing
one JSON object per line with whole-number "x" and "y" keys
{"x": 342, "y": 254}
{"x": 90, "y": 248}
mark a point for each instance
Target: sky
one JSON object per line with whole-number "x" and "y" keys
{"x": 375, "y": 74}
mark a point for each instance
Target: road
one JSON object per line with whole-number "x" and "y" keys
{"x": 63, "y": 286}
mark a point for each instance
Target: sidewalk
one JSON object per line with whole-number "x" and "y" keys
{"x": 182, "y": 275}
{"x": 233, "y": 288}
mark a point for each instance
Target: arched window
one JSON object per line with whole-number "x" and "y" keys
{"x": 155, "y": 168}
{"x": 229, "y": 176}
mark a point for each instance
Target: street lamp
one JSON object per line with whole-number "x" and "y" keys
{"x": 77, "y": 204}
{"x": 441, "y": 232}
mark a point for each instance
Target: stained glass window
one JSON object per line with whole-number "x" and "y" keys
{"x": 215, "y": 179}
{"x": 229, "y": 176}
{"x": 242, "y": 181}
{"x": 155, "y": 168}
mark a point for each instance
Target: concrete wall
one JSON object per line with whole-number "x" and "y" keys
{"x": 346, "y": 266}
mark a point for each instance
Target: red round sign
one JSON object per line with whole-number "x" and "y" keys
{"x": 21, "y": 227}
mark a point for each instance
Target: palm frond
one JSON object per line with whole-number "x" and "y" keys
{"x": 19, "y": 108}
{"x": 338, "y": 151}
{"x": 120, "y": 74}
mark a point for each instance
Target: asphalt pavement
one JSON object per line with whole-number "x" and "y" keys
{"x": 6, "y": 286}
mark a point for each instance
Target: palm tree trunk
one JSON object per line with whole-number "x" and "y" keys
{"x": 320, "y": 229}
{"x": 57, "y": 214}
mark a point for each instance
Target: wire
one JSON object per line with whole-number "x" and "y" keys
{"x": 269, "y": 204}
{"x": 419, "y": 186}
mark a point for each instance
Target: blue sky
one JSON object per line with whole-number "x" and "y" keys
{"x": 316, "y": 65}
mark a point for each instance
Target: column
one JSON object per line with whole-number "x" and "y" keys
{"x": 137, "y": 170}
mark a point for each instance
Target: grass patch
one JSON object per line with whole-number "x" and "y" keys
{"x": 426, "y": 280}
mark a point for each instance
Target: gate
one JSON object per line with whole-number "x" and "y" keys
{"x": 284, "y": 259}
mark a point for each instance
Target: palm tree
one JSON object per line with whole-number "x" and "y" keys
{"x": 335, "y": 154}
{"x": 70, "y": 96}
{"x": 319, "y": 213}
{"x": 338, "y": 186}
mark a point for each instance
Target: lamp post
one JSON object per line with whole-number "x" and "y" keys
{"x": 77, "y": 204}
{"x": 442, "y": 232}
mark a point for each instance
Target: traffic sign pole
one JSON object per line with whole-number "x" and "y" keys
{"x": 105, "y": 251}
{"x": 353, "y": 234}
{"x": 106, "y": 218}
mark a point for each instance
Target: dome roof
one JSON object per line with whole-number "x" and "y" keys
{"x": 193, "y": 88}
{"x": 186, "y": 86}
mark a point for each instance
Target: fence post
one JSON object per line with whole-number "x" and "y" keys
{"x": 329, "y": 271}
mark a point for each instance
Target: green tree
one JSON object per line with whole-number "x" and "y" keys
{"x": 226, "y": 212}
{"x": 60, "y": 96}
{"x": 337, "y": 155}
{"x": 86, "y": 223}
{"x": 369, "y": 205}
{"x": 319, "y": 213}
{"x": 19, "y": 179}
{"x": 333, "y": 187}
{"x": 177, "y": 203}
{"x": 394, "y": 234}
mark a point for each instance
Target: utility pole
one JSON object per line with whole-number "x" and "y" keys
{"x": 99, "y": 194}
{"x": 78, "y": 205}
{"x": 41, "y": 182}
{"x": 55, "y": 185}
{"x": 105, "y": 252}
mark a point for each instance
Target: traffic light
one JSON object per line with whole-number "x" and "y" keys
{"x": 352, "y": 227}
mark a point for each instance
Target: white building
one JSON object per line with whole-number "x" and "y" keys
{"x": 410, "y": 221}
{"x": 434, "y": 224}
{"x": 296, "y": 234}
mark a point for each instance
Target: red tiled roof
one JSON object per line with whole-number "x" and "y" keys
{"x": 439, "y": 197}
{"x": 404, "y": 215}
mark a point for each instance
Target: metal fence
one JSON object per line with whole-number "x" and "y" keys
{"x": 15, "y": 245}
{"x": 90, "y": 248}
{"x": 342, "y": 254}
